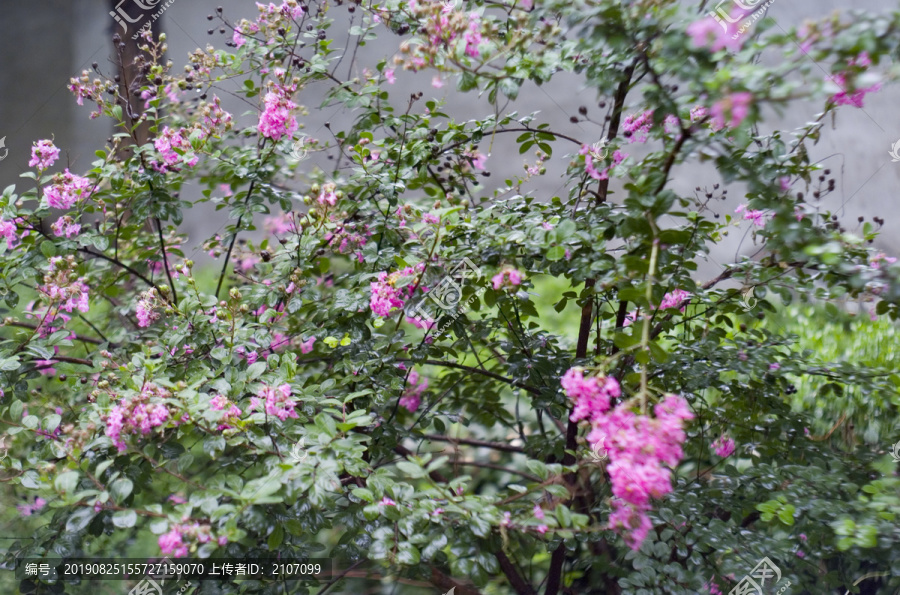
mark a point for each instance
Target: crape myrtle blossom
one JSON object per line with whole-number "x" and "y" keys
{"x": 716, "y": 34}
{"x": 10, "y": 232}
{"x": 597, "y": 152}
{"x": 43, "y": 154}
{"x": 723, "y": 446}
{"x": 65, "y": 226}
{"x": 412, "y": 394}
{"x": 272, "y": 17}
{"x": 733, "y": 108}
{"x": 277, "y": 120}
{"x": 175, "y": 148}
{"x": 592, "y": 396}
{"x": 637, "y": 127}
{"x": 67, "y": 190}
{"x": 850, "y": 93}
{"x": 232, "y": 411}
{"x": 756, "y": 216}
{"x": 84, "y": 88}
{"x": 386, "y": 295}
{"x": 30, "y": 509}
{"x": 138, "y": 414}
{"x": 145, "y": 309}
{"x": 508, "y": 276}
{"x": 63, "y": 288}
{"x": 443, "y": 29}
{"x": 277, "y": 401}
{"x": 183, "y": 537}
{"x": 671, "y": 299}
{"x": 641, "y": 449}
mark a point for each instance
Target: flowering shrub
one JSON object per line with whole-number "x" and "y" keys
{"x": 450, "y": 413}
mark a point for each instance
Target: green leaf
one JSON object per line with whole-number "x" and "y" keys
{"x": 255, "y": 370}
{"x": 66, "y": 482}
{"x": 556, "y": 253}
{"x": 276, "y": 537}
{"x": 121, "y": 489}
{"x": 124, "y": 519}
{"x": 80, "y": 519}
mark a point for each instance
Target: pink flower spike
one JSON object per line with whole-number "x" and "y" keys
{"x": 723, "y": 446}
{"x": 43, "y": 154}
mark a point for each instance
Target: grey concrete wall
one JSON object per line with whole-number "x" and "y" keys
{"x": 46, "y": 42}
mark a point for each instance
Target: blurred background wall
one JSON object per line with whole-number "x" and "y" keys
{"x": 44, "y": 43}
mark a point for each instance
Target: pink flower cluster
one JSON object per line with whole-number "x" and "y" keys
{"x": 443, "y": 29}
{"x": 327, "y": 195}
{"x": 849, "y": 95}
{"x": 348, "y": 238}
{"x": 736, "y": 107}
{"x": 278, "y": 401}
{"x": 145, "y": 308}
{"x": 65, "y": 226}
{"x": 95, "y": 90}
{"x": 508, "y": 276}
{"x": 671, "y": 299}
{"x": 174, "y": 146}
{"x": 723, "y": 446}
{"x": 59, "y": 286}
{"x": 640, "y": 448}
{"x": 177, "y": 541}
{"x": 876, "y": 260}
{"x": 715, "y": 34}
{"x": 67, "y": 190}
{"x": 137, "y": 415}
{"x": 280, "y": 224}
{"x": 592, "y": 396}
{"x": 232, "y": 411}
{"x": 472, "y": 36}
{"x": 270, "y": 20}
{"x": 214, "y": 117}
{"x": 637, "y": 126}
{"x": 30, "y": 509}
{"x": 412, "y": 394}
{"x": 43, "y": 154}
{"x": 757, "y": 217}
{"x": 10, "y": 232}
{"x": 592, "y": 153}
{"x": 276, "y": 119}
{"x": 386, "y": 295}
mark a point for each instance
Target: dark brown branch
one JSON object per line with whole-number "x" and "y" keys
{"x": 473, "y": 442}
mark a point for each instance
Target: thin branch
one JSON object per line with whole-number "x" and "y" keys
{"x": 478, "y": 443}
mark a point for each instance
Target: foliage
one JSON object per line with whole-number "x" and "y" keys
{"x": 145, "y": 405}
